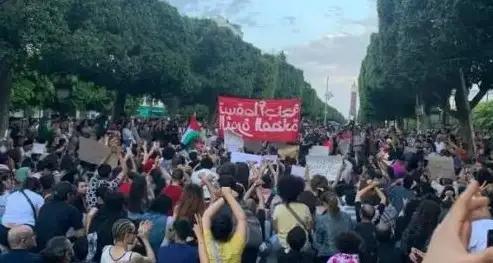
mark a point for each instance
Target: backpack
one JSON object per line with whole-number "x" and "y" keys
{"x": 254, "y": 231}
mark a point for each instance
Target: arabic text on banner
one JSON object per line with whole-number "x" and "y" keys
{"x": 266, "y": 120}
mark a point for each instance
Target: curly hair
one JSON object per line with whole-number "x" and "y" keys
{"x": 290, "y": 187}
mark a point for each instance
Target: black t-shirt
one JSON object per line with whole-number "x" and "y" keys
{"x": 55, "y": 219}
{"x": 388, "y": 253}
{"x": 20, "y": 256}
{"x": 101, "y": 225}
{"x": 367, "y": 232}
{"x": 78, "y": 203}
{"x": 294, "y": 257}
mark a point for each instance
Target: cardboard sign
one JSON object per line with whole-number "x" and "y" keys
{"x": 327, "y": 166}
{"x": 291, "y": 151}
{"x": 441, "y": 166}
{"x": 298, "y": 171}
{"x": 233, "y": 142}
{"x": 91, "y": 151}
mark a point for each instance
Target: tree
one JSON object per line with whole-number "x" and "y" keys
{"x": 483, "y": 116}
{"x": 27, "y": 29}
{"x": 424, "y": 45}
{"x": 111, "y": 50}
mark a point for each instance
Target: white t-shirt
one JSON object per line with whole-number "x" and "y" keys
{"x": 479, "y": 235}
{"x": 440, "y": 146}
{"x": 197, "y": 179}
{"x": 19, "y": 211}
{"x": 3, "y": 202}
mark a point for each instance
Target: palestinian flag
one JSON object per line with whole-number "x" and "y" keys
{"x": 192, "y": 133}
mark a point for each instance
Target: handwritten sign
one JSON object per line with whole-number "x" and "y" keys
{"x": 91, "y": 151}
{"x": 233, "y": 142}
{"x": 327, "y": 166}
{"x": 298, "y": 171}
{"x": 237, "y": 157}
{"x": 265, "y": 120}
{"x": 441, "y": 166}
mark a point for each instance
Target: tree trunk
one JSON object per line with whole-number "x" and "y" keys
{"x": 464, "y": 116}
{"x": 444, "y": 118}
{"x": 119, "y": 106}
{"x": 5, "y": 86}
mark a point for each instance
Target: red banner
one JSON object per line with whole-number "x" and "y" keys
{"x": 265, "y": 120}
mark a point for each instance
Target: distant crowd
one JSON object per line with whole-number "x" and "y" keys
{"x": 162, "y": 201}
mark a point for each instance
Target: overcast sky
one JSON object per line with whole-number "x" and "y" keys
{"x": 321, "y": 37}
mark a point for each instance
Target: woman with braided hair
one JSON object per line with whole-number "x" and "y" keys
{"x": 125, "y": 237}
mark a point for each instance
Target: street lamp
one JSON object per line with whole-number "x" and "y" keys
{"x": 328, "y": 96}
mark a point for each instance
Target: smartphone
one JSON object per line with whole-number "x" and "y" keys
{"x": 490, "y": 238}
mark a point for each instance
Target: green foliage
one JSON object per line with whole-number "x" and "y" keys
{"x": 32, "y": 89}
{"x": 483, "y": 116}
{"x": 418, "y": 52}
{"x": 201, "y": 110}
{"x": 132, "y": 104}
{"x": 99, "y": 48}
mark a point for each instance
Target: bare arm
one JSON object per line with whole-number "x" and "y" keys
{"x": 339, "y": 174}
{"x": 261, "y": 201}
{"x": 89, "y": 218}
{"x": 144, "y": 230}
{"x": 250, "y": 190}
{"x": 199, "y": 233}
{"x": 363, "y": 191}
{"x": 146, "y": 152}
{"x": 134, "y": 166}
{"x": 211, "y": 211}
{"x": 209, "y": 186}
{"x": 238, "y": 212}
{"x": 381, "y": 195}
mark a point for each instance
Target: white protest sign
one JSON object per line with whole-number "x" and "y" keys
{"x": 327, "y": 166}
{"x": 344, "y": 146}
{"x": 272, "y": 158}
{"x": 298, "y": 171}
{"x": 39, "y": 148}
{"x": 441, "y": 166}
{"x": 233, "y": 142}
{"x": 319, "y": 151}
{"x": 237, "y": 157}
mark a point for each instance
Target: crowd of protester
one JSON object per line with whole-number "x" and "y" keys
{"x": 166, "y": 202}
